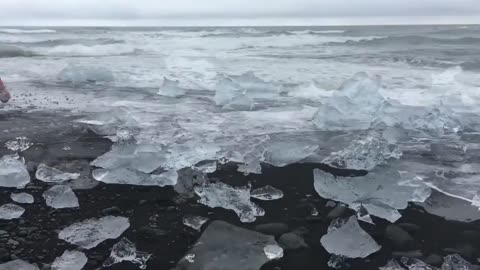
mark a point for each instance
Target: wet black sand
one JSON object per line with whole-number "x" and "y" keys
{"x": 156, "y": 215}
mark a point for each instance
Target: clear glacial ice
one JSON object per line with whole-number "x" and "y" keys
{"x": 13, "y": 173}
{"x": 11, "y": 211}
{"x": 52, "y": 175}
{"x": 61, "y": 196}
{"x": 450, "y": 262}
{"x": 246, "y": 248}
{"x": 22, "y": 198}
{"x": 18, "y": 265}
{"x": 89, "y": 233}
{"x": 70, "y": 260}
{"x": 125, "y": 251}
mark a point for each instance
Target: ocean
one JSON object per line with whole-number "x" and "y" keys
{"x": 372, "y": 124}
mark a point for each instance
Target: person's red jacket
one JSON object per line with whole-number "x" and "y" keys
{"x": 4, "y": 94}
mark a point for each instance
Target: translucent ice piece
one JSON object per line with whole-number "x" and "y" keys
{"x": 51, "y": 175}
{"x": 61, "y": 196}
{"x": 266, "y": 193}
{"x": 133, "y": 177}
{"x": 350, "y": 240}
{"x": 11, "y": 211}
{"x": 194, "y": 222}
{"x": 22, "y": 198}
{"x": 273, "y": 252}
{"x": 19, "y": 144}
{"x": 18, "y": 265}
{"x": 91, "y": 232}
{"x": 70, "y": 260}
{"x": 125, "y": 251}
{"x": 13, "y": 173}
{"x": 228, "y": 197}
{"x": 171, "y": 88}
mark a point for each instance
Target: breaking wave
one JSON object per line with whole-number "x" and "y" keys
{"x": 26, "y": 31}
{"x": 12, "y": 51}
{"x": 411, "y": 40}
{"x": 95, "y": 50}
{"x": 60, "y": 42}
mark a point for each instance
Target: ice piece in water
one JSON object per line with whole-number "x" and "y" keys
{"x": 70, "y": 260}
{"x": 134, "y": 177}
{"x": 228, "y": 197}
{"x": 448, "y": 151}
{"x": 209, "y": 167}
{"x": 266, "y": 193}
{"x": 19, "y": 144}
{"x": 194, "y": 222}
{"x": 91, "y": 232}
{"x": 226, "y": 90}
{"x": 350, "y": 240}
{"x": 240, "y": 103}
{"x": 13, "y": 173}
{"x": 190, "y": 258}
{"x": 126, "y": 154}
{"x": 171, "y": 88}
{"x": 416, "y": 264}
{"x": 392, "y": 265}
{"x": 61, "y": 196}
{"x": 354, "y": 106}
{"x": 456, "y": 262}
{"x": 379, "y": 192}
{"x": 338, "y": 262}
{"x": 51, "y": 175}
{"x": 273, "y": 252}
{"x": 282, "y": 153}
{"x": 76, "y": 75}
{"x": 226, "y": 246}
{"x": 125, "y": 251}
{"x": 18, "y": 265}
{"x": 364, "y": 154}
{"x": 22, "y": 198}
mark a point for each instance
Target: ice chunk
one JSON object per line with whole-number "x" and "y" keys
{"x": 227, "y": 246}
{"x": 91, "y": 232}
{"x": 126, "y": 154}
{"x": 19, "y": 144}
{"x": 11, "y": 211}
{"x": 171, "y": 89}
{"x": 267, "y": 193}
{"x": 416, "y": 264}
{"x": 51, "y": 175}
{"x": 70, "y": 260}
{"x": 194, "y": 222}
{"x": 13, "y": 173}
{"x": 133, "y": 177}
{"x": 364, "y": 154}
{"x": 228, "y": 197}
{"x": 209, "y": 167}
{"x": 18, "y": 265}
{"x": 379, "y": 192}
{"x": 61, "y": 196}
{"x": 354, "y": 106}
{"x": 239, "y": 103}
{"x": 350, "y": 240}
{"x": 125, "y": 251}
{"x": 76, "y": 75}
{"x": 456, "y": 262}
{"x": 22, "y": 198}
{"x": 273, "y": 252}
{"x": 226, "y": 90}
{"x": 448, "y": 151}
{"x": 338, "y": 262}
{"x": 392, "y": 265}
{"x": 283, "y": 152}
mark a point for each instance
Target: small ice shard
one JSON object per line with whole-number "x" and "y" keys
{"x": 228, "y": 197}
{"x": 266, "y": 193}
{"x": 338, "y": 262}
{"x": 456, "y": 262}
{"x": 11, "y": 211}
{"x": 61, "y": 196}
{"x": 22, "y": 198}
{"x": 171, "y": 88}
{"x": 13, "y": 173}
{"x": 226, "y": 90}
{"x": 273, "y": 252}
{"x": 190, "y": 258}
{"x": 225, "y": 246}
{"x": 19, "y": 144}
{"x": 70, "y": 260}
{"x": 437, "y": 122}
{"x": 18, "y": 265}
{"x": 51, "y": 175}
{"x": 91, "y": 232}
{"x": 379, "y": 192}
{"x": 364, "y": 154}
{"x": 447, "y": 151}
{"x": 133, "y": 177}
{"x": 125, "y": 251}
{"x": 392, "y": 265}
{"x": 350, "y": 240}
{"x": 194, "y": 222}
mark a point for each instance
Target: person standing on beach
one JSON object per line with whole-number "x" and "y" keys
{"x": 4, "y": 94}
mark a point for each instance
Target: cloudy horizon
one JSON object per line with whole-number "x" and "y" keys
{"x": 237, "y": 12}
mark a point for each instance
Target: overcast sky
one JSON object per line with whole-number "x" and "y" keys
{"x": 232, "y": 12}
